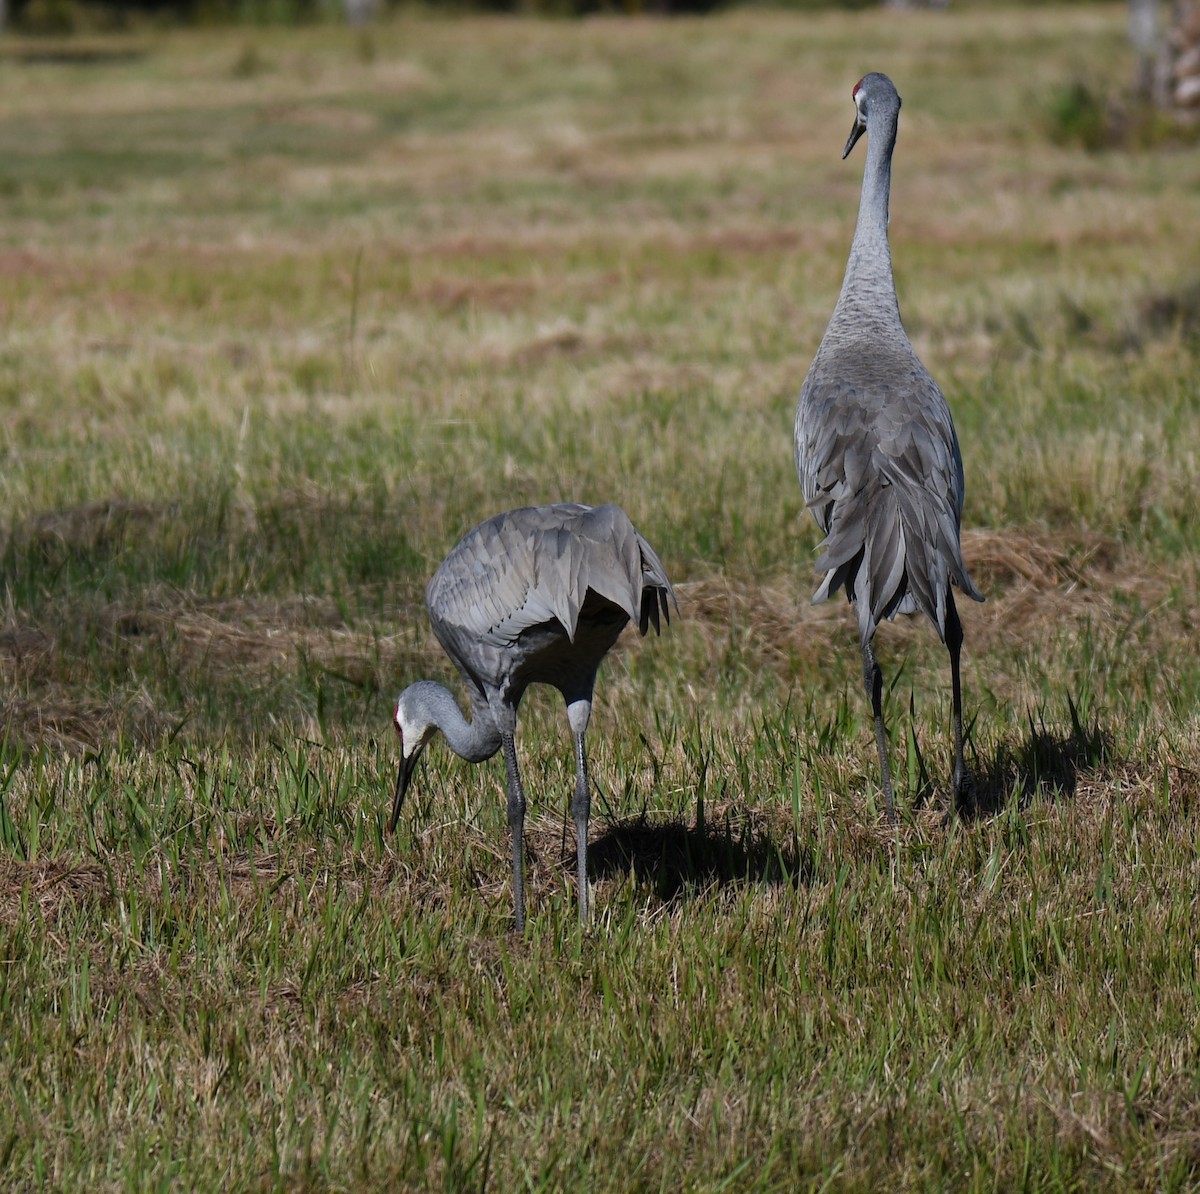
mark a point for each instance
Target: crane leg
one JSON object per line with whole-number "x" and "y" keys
{"x": 960, "y": 777}
{"x": 579, "y": 712}
{"x": 516, "y": 823}
{"x": 873, "y": 679}
{"x": 581, "y": 809}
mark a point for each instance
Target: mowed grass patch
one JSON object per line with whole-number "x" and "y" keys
{"x": 347, "y": 1008}
{"x": 282, "y": 315}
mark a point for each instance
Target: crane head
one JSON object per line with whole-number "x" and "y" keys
{"x": 860, "y": 118}
{"x": 884, "y": 92}
{"x": 414, "y": 732}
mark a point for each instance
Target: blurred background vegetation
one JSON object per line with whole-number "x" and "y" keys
{"x": 52, "y": 17}
{"x": 1096, "y": 113}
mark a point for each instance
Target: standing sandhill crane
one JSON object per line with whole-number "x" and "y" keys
{"x": 537, "y": 595}
{"x": 875, "y": 445}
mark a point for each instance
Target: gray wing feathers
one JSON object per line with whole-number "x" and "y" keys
{"x": 882, "y": 474}
{"x": 610, "y": 560}
{"x": 624, "y": 568}
{"x": 528, "y": 566}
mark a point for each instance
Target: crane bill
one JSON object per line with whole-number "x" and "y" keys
{"x": 407, "y": 767}
{"x": 860, "y": 127}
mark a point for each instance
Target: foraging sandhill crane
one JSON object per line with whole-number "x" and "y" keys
{"x": 876, "y": 450}
{"x": 536, "y": 595}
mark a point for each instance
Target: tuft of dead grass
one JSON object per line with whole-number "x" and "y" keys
{"x": 51, "y": 884}
{"x": 1032, "y": 581}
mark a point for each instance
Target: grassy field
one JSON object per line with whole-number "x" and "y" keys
{"x": 283, "y": 314}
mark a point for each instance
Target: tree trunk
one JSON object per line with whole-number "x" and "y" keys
{"x": 1182, "y": 71}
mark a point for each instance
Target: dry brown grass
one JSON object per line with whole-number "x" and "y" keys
{"x": 1037, "y": 585}
{"x": 1033, "y": 582}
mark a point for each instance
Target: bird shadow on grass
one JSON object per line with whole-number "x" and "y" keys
{"x": 1044, "y": 764}
{"x": 675, "y": 857}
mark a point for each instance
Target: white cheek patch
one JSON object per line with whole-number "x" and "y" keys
{"x": 407, "y": 737}
{"x": 412, "y": 735}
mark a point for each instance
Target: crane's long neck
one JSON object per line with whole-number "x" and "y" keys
{"x": 868, "y": 289}
{"x": 474, "y": 740}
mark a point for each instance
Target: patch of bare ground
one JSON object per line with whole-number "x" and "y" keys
{"x": 93, "y": 525}
{"x": 52, "y": 696}
{"x": 20, "y": 264}
{"x": 239, "y": 636}
{"x": 236, "y": 874}
{"x": 634, "y": 240}
{"x": 736, "y": 241}
{"x": 57, "y": 716}
{"x": 565, "y": 341}
{"x": 22, "y": 646}
{"x": 491, "y": 294}
{"x": 644, "y": 373}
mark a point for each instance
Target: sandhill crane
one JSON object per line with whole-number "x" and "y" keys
{"x": 536, "y": 595}
{"x": 876, "y": 449}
